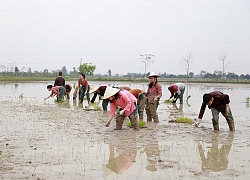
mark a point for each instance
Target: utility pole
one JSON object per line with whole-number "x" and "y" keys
{"x": 81, "y": 62}
{"x": 146, "y": 59}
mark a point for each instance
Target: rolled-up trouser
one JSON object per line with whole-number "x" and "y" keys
{"x": 61, "y": 93}
{"x": 82, "y": 92}
{"x": 180, "y": 96}
{"x": 132, "y": 117}
{"x": 229, "y": 117}
{"x": 227, "y": 114}
{"x": 141, "y": 106}
{"x": 151, "y": 112}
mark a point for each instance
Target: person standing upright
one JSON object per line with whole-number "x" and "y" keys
{"x": 154, "y": 94}
{"x": 141, "y": 101}
{"x": 83, "y": 87}
{"x": 59, "y": 81}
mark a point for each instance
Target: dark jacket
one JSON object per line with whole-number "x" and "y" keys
{"x": 219, "y": 103}
{"x": 59, "y": 81}
{"x": 101, "y": 91}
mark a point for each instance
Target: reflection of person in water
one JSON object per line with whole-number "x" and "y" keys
{"x": 126, "y": 155}
{"x": 217, "y": 159}
{"x": 175, "y": 111}
{"x": 153, "y": 153}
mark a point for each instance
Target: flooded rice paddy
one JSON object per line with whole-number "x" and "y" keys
{"x": 47, "y": 140}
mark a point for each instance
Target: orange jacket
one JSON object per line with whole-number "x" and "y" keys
{"x": 136, "y": 93}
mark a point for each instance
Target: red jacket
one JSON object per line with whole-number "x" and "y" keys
{"x": 174, "y": 89}
{"x": 219, "y": 103}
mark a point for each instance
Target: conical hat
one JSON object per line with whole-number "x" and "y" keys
{"x": 93, "y": 89}
{"x": 110, "y": 92}
{"x": 153, "y": 74}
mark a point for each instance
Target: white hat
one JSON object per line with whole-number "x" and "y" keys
{"x": 93, "y": 89}
{"x": 110, "y": 92}
{"x": 153, "y": 74}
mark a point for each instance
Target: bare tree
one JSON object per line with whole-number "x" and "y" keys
{"x": 146, "y": 59}
{"x": 225, "y": 64}
{"x": 187, "y": 60}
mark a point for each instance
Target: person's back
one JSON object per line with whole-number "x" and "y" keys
{"x": 59, "y": 81}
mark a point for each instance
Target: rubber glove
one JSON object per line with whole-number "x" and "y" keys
{"x": 156, "y": 98}
{"x": 197, "y": 123}
{"x": 121, "y": 112}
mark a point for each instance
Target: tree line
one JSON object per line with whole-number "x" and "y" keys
{"x": 89, "y": 70}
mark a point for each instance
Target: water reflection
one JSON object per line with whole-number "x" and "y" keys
{"x": 153, "y": 154}
{"x": 74, "y": 103}
{"x": 217, "y": 158}
{"x": 175, "y": 111}
{"x": 64, "y": 104}
{"x": 16, "y": 86}
{"x": 122, "y": 153}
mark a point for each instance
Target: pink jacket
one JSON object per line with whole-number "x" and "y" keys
{"x": 125, "y": 101}
{"x": 55, "y": 90}
{"x": 155, "y": 90}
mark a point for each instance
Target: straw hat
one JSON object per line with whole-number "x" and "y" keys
{"x": 151, "y": 168}
{"x": 110, "y": 92}
{"x": 93, "y": 89}
{"x": 153, "y": 74}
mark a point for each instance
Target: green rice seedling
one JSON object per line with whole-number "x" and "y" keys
{"x": 97, "y": 108}
{"x": 183, "y": 120}
{"x": 189, "y": 96}
{"x": 168, "y": 101}
{"x": 61, "y": 100}
{"x": 142, "y": 124}
{"x": 93, "y": 104}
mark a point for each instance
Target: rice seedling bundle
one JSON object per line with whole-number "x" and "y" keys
{"x": 168, "y": 101}
{"x": 183, "y": 120}
{"x": 62, "y": 100}
{"x": 141, "y": 124}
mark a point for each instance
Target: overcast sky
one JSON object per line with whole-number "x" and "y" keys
{"x": 112, "y": 34}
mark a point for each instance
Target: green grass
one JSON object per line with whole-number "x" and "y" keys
{"x": 19, "y": 78}
{"x": 183, "y": 120}
{"x": 140, "y": 123}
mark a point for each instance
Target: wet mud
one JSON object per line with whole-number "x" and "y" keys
{"x": 61, "y": 141}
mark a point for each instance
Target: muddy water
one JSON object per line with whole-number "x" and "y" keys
{"x": 46, "y": 140}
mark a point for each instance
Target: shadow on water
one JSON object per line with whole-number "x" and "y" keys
{"x": 217, "y": 155}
